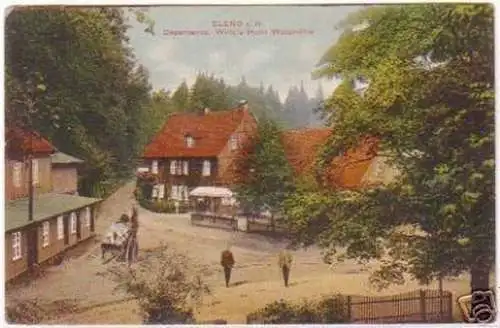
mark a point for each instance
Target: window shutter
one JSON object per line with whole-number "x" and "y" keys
{"x": 87, "y": 216}
{"x": 186, "y": 168}
{"x": 179, "y": 167}
{"x": 172, "y": 167}
{"x": 206, "y": 168}
{"x": 73, "y": 222}
{"x": 154, "y": 167}
{"x": 161, "y": 192}
{"x": 45, "y": 233}
{"x": 35, "y": 170}
{"x": 16, "y": 246}
{"x": 60, "y": 227}
{"x": 16, "y": 174}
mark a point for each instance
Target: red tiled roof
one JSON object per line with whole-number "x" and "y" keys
{"x": 19, "y": 140}
{"x": 302, "y": 147}
{"x": 210, "y": 131}
{"x": 347, "y": 171}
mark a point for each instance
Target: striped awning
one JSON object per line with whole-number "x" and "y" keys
{"x": 214, "y": 192}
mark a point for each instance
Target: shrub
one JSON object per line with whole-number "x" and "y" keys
{"x": 144, "y": 185}
{"x": 143, "y": 193}
{"x": 332, "y": 309}
{"x": 166, "y": 286}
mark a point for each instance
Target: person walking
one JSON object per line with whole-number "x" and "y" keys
{"x": 285, "y": 263}
{"x": 227, "y": 262}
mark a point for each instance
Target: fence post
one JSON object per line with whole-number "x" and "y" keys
{"x": 422, "y": 305}
{"x": 450, "y": 306}
{"x": 349, "y": 312}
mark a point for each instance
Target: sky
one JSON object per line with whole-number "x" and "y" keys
{"x": 278, "y": 45}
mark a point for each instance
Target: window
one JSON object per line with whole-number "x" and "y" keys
{"x": 182, "y": 192}
{"x": 161, "y": 191}
{"x": 189, "y": 141}
{"x": 234, "y": 142}
{"x": 87, "y": 217}
{"x": 174, "y": 194}
{"x": 206, "y": 168}
{"x": 186, "y": 192}
{"x": 72, "y": 219}
{"x": 186, "y": 168}
{"x": 154, "y": 167}
{"x": 17, "y": 169}
{"x": 172, "y": 167}
{"x": 178, "y": 167}
{"x": 16, "y": 246}
{"x": 34, "y": 169}
{"x": 45, "y": 233}
{"x": 179, "y": 192}
{"x": 154, "y": 193}
{"x": 60, "y": 228}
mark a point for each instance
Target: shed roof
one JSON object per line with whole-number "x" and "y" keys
{"x": 63, "y": 158}
{"x": 45, "y": 206}
{"x": 22, "y": 140}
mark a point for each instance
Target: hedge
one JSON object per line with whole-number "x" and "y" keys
{"x": 331, "y": 309}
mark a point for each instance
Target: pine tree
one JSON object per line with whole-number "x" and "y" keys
{"x": 180, "y": 98}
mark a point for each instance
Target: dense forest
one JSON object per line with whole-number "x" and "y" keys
{"x": 298, "y": 110}
{"x": 72, "y": 76}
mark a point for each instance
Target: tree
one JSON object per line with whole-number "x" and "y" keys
{"x": 180, "y": 98}
{"x": 208, "y": 92}
{"x": 90, "y": 93}
{"x": 165, "y": 285}
{"x": 157, "y": 113}
{"x": 270, "y": 179}
{"x": 430, "y": 101}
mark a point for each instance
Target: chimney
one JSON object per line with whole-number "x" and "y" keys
{"x": 243, "y": 104}
{"x": 206, "y": 110}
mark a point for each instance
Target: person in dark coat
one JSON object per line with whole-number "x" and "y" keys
{"x": 285, "y": 263}
{"x": 227, "y": 262}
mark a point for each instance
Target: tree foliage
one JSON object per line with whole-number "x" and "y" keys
{"x": 327, "y": 310}
{"x": 427, "y": 71}
{"x": 166, "y": 286}
{"x": 271, "y": 177}
{"x": 299, "y": 110}
{"x": 90, "y": 93}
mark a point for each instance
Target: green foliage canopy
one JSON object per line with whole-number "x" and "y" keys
{"x": 72, "y": 77}
{"x": 271, "y": 178}
{"x": 428, "y": 95}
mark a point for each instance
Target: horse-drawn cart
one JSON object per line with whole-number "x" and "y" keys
{"x": 120, "y": 241}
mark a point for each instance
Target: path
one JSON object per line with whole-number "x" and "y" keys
{"x": 256, "y": 279}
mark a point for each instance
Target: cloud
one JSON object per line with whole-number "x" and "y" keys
{"x": 277, "y": 61}
{"x": 255, "y": 58}
{"x": 218, "y": 63}
{"x": 164, "y": 50}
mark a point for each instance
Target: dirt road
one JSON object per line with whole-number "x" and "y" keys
{"x": 255, "y": 282}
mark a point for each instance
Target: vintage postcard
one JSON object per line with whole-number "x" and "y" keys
{"x": 237, "y": 164}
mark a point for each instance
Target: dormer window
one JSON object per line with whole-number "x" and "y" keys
{"x": 189, "y": 141}
{"x": 233, "y": 142}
